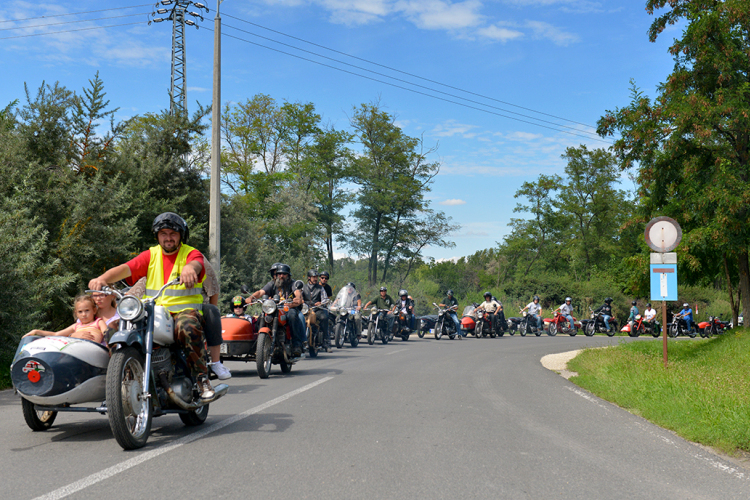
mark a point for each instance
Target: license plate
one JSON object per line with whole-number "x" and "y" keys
{"x": 223, "y": 349}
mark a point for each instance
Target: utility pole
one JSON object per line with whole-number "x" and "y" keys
{"x": 178, "y": 86}
{"x": 214, "y": 219}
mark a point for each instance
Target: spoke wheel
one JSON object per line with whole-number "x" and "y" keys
{"x": 589, "y": 330}
{"x": 129, "y": 414}
{"x": 552, "y": 331}
{"x": 340, "y": 330}
{"x": 263, "y": 355}
{"x": 37, "y": 420}
{"x": 371, "y": 333}
{"x": 439, "y": 330}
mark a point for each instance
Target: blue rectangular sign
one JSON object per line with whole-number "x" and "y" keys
{"x": 664, "y": 282}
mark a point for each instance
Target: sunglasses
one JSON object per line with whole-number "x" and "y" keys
{"x": 323, "y": 277}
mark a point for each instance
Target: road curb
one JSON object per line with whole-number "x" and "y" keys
{"x": 558, "y": 363}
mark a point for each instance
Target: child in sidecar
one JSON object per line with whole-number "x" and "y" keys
{"x": 87, "y": 326}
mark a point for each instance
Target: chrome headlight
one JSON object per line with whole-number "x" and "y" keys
{"x": 269, "y": 306}
{"x": 480, "y": 314}
{"x": 343, "y": 312}
{"x": 129, "y": 308}
{"x": 305, "y": 309}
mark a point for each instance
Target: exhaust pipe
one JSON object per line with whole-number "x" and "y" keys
{"x": 219, "y": 391}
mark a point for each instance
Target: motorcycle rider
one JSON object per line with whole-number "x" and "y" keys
{"x": 287, "y": 289}
{"x": 567, "y": 310}
{"x": 535, "y": 310}
{"x": 172, "y": 257}
{"x": 606, "y": 310}
{"x": 450, "y": 301}
{"x": 633, "y": 313}
{"x": 649, "y": 315}
{"x": 315, "y": 295}
{"x": 687, "y": 315}
{"x": 238, "y": 308}
{"x": 490, "y": 306}
{"x": 406, "y": 304}
{"x": 383, "y": 301}
{"x": 324, "y": 277}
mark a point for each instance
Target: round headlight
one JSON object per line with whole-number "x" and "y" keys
{"x": 269, "y": 306}
{"x": 343, "y": 312}
{"x": 305, "y": 309}
{"x": 129, "y": 308}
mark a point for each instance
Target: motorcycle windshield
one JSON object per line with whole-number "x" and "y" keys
{"x": 346, "y": 298}
{"x": 469, "y": 311}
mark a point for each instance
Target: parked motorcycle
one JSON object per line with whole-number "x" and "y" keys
{"x": 484, "y": 326}
{"x": 596, "y": 324}
{"x": 377, "y": 328}
{"x": 679, "y": 326}
{"x": 345, "y": 310}
{"x": 560, "y": 323}
{"x": 401, "y": 326}
{"x": 426, "y": 324}
{"x": 528, "y": 324}
{"x": 445, "y": 324}
{"x": 714, "y": 326}
{"x": 640, "y": 327}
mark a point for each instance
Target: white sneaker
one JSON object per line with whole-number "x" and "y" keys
{"x": 220, "y": 370}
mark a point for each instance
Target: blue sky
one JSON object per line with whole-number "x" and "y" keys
{"x": 569, "y": 58}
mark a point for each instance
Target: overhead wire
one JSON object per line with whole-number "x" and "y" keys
{"x": 73, "y": 22}
{"x": 405, "y": 72}
{"x": 408, "y": 89}
{"x": 74, "y": 13}
{"x": 411, "y": 83}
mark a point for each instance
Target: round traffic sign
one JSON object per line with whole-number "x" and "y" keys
{"x": 663, "y": 234}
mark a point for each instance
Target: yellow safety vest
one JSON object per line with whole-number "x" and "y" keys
{"x": 175, "y": 298}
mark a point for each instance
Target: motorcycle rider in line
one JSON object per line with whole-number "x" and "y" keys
{"x": 287, "y": 289}
{"x": 324, "y": 277}
{"x": 633, "y": 313}
{"x": 535, "y": 310}
{"x": 649, "y": 315}
{"x": 567, "y": 310}
{"x": 491, "y": 306}
{"x": 315, "y": 295}
{"x": 687, "y": 315}
{"x": 606, "y": 308}
{"x": 450, "y": 301}
{"x": 407, "y": 303}
{"x": 384, "y": 301}
{"x": 160, "y": 264}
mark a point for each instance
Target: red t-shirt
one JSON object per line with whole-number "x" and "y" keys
{"x": 139, "y": 265}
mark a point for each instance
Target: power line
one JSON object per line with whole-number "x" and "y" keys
{"x": 71, "y": 31}
{"x": 412, "y": 83}
{"x": 74, "y": 22}
{"x": 74, "y": 13}
{"x": 406, "y": 73}
{"x": 410, "y": 89}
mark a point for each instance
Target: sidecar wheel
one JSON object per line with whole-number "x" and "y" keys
{"x": 129, "y": 416}
{"x": 35, "y": 419}
{"x": 263, "y": 355}
{"x": 195, "y": 417}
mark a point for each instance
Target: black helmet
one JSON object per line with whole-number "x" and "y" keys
{"x": 383, "y": 289}
{"x": 324, "y": 274}
{"x": 273, "y": 269}
{"x": 351, "y": 285}
{"x": 568, "y": 299}
{"x": 608, "y": 300}
{"x": 450, "y": 293}
{"x": 402, "y": 293}
{"x": 632, "y": 303}
{"x": 536, "y": 297}
{"x": 487, "y": 294}
{"x": 312, "y": 273}
{"x": 648, "y": 305}
{"x": 170, "y": 220}
{"x": 283, "y": 268}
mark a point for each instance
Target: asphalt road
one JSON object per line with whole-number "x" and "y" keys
{"x": 418, "y": 419}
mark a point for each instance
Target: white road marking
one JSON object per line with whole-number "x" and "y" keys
{"x": 394, "y": 352}
{"x": 129, "y": 464}
{"x": 587, "y": 397}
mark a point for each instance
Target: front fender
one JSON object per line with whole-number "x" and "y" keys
{"x": 128, "y": 338}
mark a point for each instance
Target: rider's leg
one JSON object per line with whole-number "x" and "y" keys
{"x": 389, "y": 319}
{"x": 606, "y": 321}
{"x": 539, "y": 322}
{"x": 453, "y": 316}
{"x": 572, "y": 323}
{"x": 322, "y": 317}
{"x": 189, "y": 334}
{"x": 298, "y": 329}
{"x": 212, "y": 332}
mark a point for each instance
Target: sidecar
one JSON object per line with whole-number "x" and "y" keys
{"x": 239, "y": 339}
{"x": 53, "y": 373}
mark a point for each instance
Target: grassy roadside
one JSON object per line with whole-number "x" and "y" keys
{"x": 703, "y": 395}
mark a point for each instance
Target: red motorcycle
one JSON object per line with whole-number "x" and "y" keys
{"x": 641, "y": 326}
{"x": 561, "y": 324}
{"x": 714, "y": 326}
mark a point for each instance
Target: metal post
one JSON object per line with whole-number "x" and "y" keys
{"x": 664, "y": 323}
{"x": 214, "y": 221}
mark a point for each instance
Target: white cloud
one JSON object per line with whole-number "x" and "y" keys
{"x": 451, "y": 128}
{"x": 453, "y": 202}
{"x": 548, "y": 31}
{"x": 440, "y": 14}
{"x": 498, "y": 34}
{"x": 197, "y": 89}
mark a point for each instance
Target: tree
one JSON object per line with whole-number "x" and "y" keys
{"x": 691, "y": 145}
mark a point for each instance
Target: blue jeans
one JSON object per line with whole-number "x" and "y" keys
{"x": 538, "y": 321}
{"x": 297, "y": 320}
{"x": 570, "y": 319}
{"x": 453, "y": 316}
{"x": 606, "y": 321}
{"x": 689, "y": 322}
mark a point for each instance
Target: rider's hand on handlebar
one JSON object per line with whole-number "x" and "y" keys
{"x": 97, "y": 284}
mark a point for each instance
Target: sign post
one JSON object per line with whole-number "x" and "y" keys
{"x": 663, "y": 234}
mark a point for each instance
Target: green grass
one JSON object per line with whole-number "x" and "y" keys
{"x": 703, "y": 395}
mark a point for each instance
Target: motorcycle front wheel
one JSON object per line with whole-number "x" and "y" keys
{"x": 37, "y": 420}
{"x": 552, "y": 331}
{"x": 312, "y": 344}
{"x": 420, "y": 332}
{"x": 478, "y": 330}
{"x": 633, "y": 332}
{"x": 263, "y": 354}
{"x": 589, "y": 329}
{"x": 673, "y": 331}
{"x": 129, "y": 415}
{"x": 371, "y": 333}
{"x": 340, "y": 330}
{"x": 439, "y": 330}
